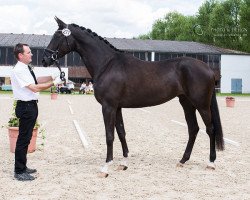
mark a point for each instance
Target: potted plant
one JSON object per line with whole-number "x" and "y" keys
{"x": 13, "y": 130}
{"x": 230, "y": 101}
{"x": 53, "y": 92}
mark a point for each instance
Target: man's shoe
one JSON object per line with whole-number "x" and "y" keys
{"x": 24, "y": 177}
{"x": 30, "y": 171}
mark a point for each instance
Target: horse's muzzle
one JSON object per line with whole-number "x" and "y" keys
{"x": 50, "y": 57}
{"x": 47, "y": 61}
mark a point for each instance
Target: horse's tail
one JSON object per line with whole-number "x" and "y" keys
{"x": 217, "y": 123}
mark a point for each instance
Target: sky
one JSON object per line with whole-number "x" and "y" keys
{"x": 108, "y": 18}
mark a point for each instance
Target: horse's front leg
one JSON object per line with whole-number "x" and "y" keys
{"x": 109, "y": 116}
{"x": 122, "y": 136}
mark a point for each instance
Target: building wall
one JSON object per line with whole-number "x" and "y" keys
{"x": 235, "y": 67}
{"x": 79, "y": 72}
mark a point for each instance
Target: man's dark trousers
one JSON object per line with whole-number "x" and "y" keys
{"x": 27, "y": 113}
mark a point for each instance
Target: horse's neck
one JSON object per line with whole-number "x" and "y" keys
{"x": 95, "y": 56}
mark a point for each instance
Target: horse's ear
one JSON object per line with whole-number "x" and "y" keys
{"x": 60, "y": 23}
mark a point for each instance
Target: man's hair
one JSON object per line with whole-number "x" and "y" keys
{"x": 19, "y": 49}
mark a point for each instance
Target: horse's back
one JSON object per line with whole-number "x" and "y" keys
{"x": 178, "y": 73}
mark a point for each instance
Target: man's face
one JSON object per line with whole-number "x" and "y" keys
{"x": 26, "y": 56}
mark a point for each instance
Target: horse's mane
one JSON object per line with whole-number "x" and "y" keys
{"x": 96, "y": 36}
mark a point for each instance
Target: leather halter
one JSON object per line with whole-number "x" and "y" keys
{"x": 54, "y": 53}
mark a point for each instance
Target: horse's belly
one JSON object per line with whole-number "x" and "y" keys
{"x": 144, "y": 101}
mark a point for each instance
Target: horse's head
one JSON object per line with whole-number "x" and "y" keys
{"x": 60, "y": 44}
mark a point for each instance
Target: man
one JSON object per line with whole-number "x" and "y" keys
{"x": 25, "y": 90}
{"x": 82, "y": 88}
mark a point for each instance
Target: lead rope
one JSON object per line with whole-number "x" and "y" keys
{"x": 62, "y": 73}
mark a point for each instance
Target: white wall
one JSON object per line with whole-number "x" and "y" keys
{"x": 39, "y": 71}
{"x": 235, "y": 66}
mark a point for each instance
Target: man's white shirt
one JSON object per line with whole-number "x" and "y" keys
{"x": 20, "y": 78}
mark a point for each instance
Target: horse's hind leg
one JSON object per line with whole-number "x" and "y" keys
{"x": 122, "y": 136}
{"x": 206, "y": 116}
{"x": 193, "y": 128}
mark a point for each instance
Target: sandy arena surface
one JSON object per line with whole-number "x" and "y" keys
{"x": 156, "y": 140}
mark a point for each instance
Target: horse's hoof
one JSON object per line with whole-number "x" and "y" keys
{"x": 103, "y": 175}
{"x": 121, "y": 168}
{"x": 210, "y": 166}
{"x": 179, "y": 165}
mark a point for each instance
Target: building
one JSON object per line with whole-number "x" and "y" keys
{"x": 235, "y": 70}
{"x": 227, "y": 64}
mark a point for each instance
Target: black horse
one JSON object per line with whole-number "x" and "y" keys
{"x": 117, "y": 74}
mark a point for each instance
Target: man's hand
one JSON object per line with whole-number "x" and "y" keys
{"x": 57, "y": 81}
{"x": 54, "y": 75}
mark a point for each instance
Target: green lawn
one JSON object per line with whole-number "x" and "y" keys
{"x": 10, "y": 92}
{"x": 234, "y": 95}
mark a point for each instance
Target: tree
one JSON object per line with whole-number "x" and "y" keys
{"x": 222, "y": 23}
{"x": 174, "y": 26}
{"x": 245, "y": 25}
{"x": 203, "y": 25}
{"x": 225, "y": 24}
{"x": 144, "y": 36}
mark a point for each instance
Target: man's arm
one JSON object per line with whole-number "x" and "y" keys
{"x": 44, "y": 79}
{"x": 39, "y": 87}
{"x": 43, "y": 86}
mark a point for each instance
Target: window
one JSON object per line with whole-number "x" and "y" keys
{"x": 142, "y": 56}
{"x": 214, "y": 61}
{"x": 70, "y": 59}
{"x": 200, "y": 57}
{"x": 10, "y": 56}
{"x": 62, "y": 61}
{"x": 205, "y": 58}
{"x": 77, "y": 60}
{"x": 136, "y": 54}
{"x": 149, "y": 56}
{"x": 40, "y": 57}
{"x": 174, "y": 55}
{"x": 165, "y": 56}
{"x": 191, "y": 55}
{"x": 34, "y": 57}
{"x": 157, "y": 56}
{"x": 2, "y": 56}
{"x": 73, "y": 59}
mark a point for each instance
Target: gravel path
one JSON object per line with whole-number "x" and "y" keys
{"x": 156, "y": 139}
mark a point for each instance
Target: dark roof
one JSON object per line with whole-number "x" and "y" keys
{"x": 41, "y": 41}
{"x": 10, "y": 39}
{"x": 161, "y": 46}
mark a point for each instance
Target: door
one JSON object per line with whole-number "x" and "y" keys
{"x": 236, "y": 85}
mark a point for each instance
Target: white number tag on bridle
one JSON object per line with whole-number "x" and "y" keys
{"x": 66, "y": 32}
